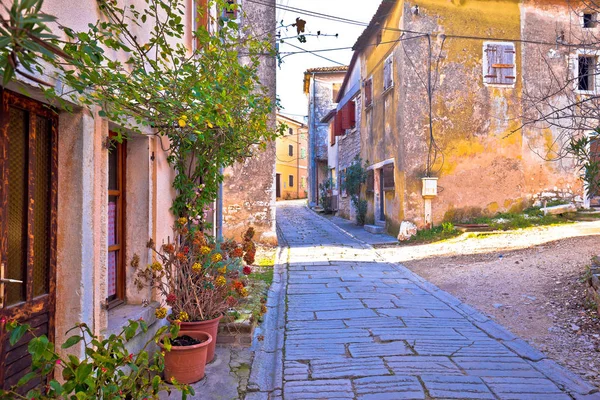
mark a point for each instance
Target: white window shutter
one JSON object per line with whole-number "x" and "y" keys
{"x": 490, "y": 58}
{"x": 506, "y": 70}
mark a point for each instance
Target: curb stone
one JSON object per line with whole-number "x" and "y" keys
{"x": 266, "y": 376}
{"x": 572, "y": 382}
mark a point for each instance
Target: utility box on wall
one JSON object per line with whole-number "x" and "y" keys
{"x": 429, "y": 187}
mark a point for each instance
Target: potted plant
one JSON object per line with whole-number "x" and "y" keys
{"x": 107, "y": 370}
{"x": 198, "y": 278}
{"x": 185, "y": 356}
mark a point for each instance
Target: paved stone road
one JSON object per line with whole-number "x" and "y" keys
{"x": 360, "y": 328}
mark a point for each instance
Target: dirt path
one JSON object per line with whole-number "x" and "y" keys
{"x": 528, "y": 281}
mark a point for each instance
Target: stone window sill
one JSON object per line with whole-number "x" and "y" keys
{"x": 119, "y": 316}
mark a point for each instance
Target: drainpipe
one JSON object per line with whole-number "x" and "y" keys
{"x": 298, "y": 163}
{"x": 219, "y": 206}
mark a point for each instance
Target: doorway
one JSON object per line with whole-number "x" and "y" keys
{"x": 381, "y": 215}
{"x": 278, "y": 186}
{"x": 595, "y": 156}
{"x": 28, "y": 206}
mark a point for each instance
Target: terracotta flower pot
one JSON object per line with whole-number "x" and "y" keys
{"x": 186, "y": 364}
{"x": 211, "y": 327}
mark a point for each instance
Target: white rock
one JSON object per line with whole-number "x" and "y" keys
{"x": 407, "y": 230}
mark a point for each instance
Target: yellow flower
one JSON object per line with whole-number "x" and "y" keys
{"x": 160, "y": 313}
{"x": 205, "y": 250}
{"x": 244, "y": 292}
{"x": 223, "y": 269}
{"x": 221, "y": 281}
{"x": 182, "y": 123}
{"x": 183, "y": 316}
{"x": 184, "y": 117}
{"x": 217, "y": 257}
{"x": 156, "y": 266}
{"x": 197, "y": 267}
{"x": 182, "y": 221}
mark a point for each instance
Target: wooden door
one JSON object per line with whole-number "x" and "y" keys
{"x": 28, "y": 199}
{"x": 278, "y": 185}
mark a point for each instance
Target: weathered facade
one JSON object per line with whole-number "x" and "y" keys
{"x": 76, "y": 242}
{"x": 249, "y": 187}
{"x": 473, "y": 60}
{"x": 291, "y": 180}
{"x": 321, "y": 86}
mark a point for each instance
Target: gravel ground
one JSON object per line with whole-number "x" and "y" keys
{"x": 527, "y": 280}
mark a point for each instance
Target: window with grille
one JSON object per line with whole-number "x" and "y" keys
{"x": 586, "y": 72}
{"x": 388, "y": 73}
{"x": 291, "y": 180}
{"x": 499, "y": 67}
{"x": 116, "y": 223}
{"x": 370, "y": 181}
{"x": 388, "y": 177}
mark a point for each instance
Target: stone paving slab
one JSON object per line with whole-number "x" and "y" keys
{"x": 358, "y": 327}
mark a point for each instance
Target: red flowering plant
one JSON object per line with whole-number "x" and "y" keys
{"x": 197, "y": 277}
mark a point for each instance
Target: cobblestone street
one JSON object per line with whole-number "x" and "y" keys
{"x": 357, "y": 327}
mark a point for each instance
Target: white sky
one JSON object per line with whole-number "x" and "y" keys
{"x": 291, "y": 73}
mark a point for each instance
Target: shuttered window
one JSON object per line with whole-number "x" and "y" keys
{"x": 349, "y": 115}
{"x": 231, "y": 9}
{"x": 499, "y": 67}
{"x": 388, "y": 177}
{"x": 290, "y": 150}
{"x": 368, "y": 92}
{"x": 370, "y": 181}
{"x": 388, "y": 73}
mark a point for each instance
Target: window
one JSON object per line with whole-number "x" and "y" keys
{"x": 303, "y": 183}
{"x": 499, "y": 66}
{"x": 586, "y": 69}
{"x": 290, "y": 150}
{"x": 349, "y": 115}
{"x": 291, "y": 180}
{"x": 335, "y": 91}
{"x": 333, "y": 177}
{"x": 116, "y": 223}
{"x": 388, "y": 177}
{"x": 302, "y": 153}
{"x": 231, "y": 9}
{"x": 368, "y": 85}
{"x": 589, "y": 19}
{"x": 388, "y": 73}
{"x": 370, "y": 181}
{"x": 290, "y": 131}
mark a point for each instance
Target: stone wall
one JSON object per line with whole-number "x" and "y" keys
{"x": 593, "y": 281}
{"x": 249, "y": 186}
{"x": 349, "y": 148}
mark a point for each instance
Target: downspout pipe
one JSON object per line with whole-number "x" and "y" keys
{"x": 219, "y": 207}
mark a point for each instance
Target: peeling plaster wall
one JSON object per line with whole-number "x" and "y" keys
{"x": 480, "y": 163}
{"x": 249, "y": 187}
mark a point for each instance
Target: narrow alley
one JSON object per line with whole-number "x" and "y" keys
{"x": 358, "y": 327}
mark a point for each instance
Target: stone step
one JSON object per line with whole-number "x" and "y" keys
{"x": 377, "y": 230}
{"x": 380, "y": 223}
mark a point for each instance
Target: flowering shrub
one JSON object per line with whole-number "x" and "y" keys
{"x": 198, "y": 278}
{"x": 106, "y": 371}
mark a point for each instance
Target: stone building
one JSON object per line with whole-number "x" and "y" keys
{"x": 73, "y": 214}
{"x": 321, "y": 86}
{"x": 441, "y": 94}
{"x": 291, "y": 180}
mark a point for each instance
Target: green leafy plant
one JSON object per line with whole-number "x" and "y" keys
{"x": 208, "y": 102}
{"x": 325, "y": 194}
{"x": 588, "y": 161}
{"x": 106, "y": 371}
{"x": 356, "y": 175}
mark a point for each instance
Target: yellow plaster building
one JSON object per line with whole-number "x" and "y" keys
{"x": 292, "y": 160}
{"x": 443, "y": 95}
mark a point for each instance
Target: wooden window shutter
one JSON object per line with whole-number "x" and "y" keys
{"x": 491, "y": 75}
{"x": 332, "y": 133}
{"x": 368, "y": 92}
{"x": 338, "y": 129}
{"x": 506, "y": 64}
{"x": 349, "y": 115}
{"x": 388, "y": 68}
{"x": 370, "y": 180}
{"x": 388, "y": 177}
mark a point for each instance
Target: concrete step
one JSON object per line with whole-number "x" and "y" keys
{"x": 377, "y": 230}
{"x": 380, "y": 223}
